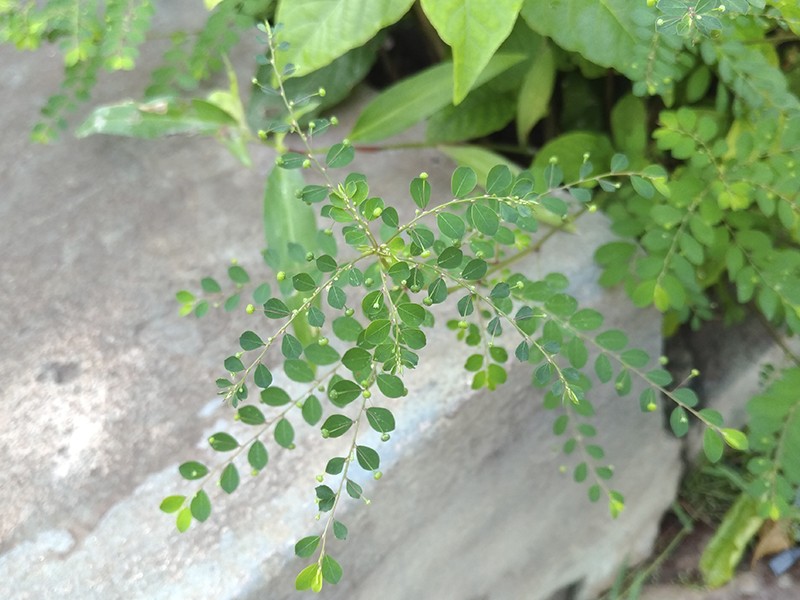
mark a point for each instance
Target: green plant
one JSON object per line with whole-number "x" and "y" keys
{"x": 678, "y": 118}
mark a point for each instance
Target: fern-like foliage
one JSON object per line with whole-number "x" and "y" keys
{"x": 775, "y": 441}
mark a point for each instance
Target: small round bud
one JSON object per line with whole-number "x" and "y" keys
{"x": 553, "y": 160}
{"x": 262, "y": 135}
{"x": 663, "y": 360}
{"x": 254, "y": 472}
{"x": 334, "y": 121}
{"x": 306, "y": 164}
{"x": 385, "y": 437}
{"x": 236, "y": 417}
{"x": 425, "y": 253}
{"x": 309, "y": 256}
{"x": 320, "y": 478}
{"x": 368, "y": 281}
{"x": 323, "y": 341}
{"x": 479, "y": 254}
{"x": 345, "y": 142}
{"x": 250, "y": 309}
{"x": 363, "y": 383}
{"x": 377, "y": 475}
{"x": 423, "y": 175}
{"x": 462, "y": 324}
{"x": 254, "y": 81}
{"x": 377, "y": 212}
{"x": 427, "y": 301}
{"x": 585, "y": 157}
{"x": 321, "y": 92}
{"x": 292, "y": 447}
{"x": 562, "y": 469}
{"x": 234, "y": 261}
{"x": 334, "y": 394}
{"x": 651, "y": 406}
{"x": 349, "y": 312}
{"x": 317, "y": 516}
{"x": 694, "y": 373}
{"x": 328, "y": 231}
{"x": 281, "y": 275}
{"x": 592, "y": 208}
{"x": 299, "y": 404}
{"x": 519, "y": 285}
{"x": 320, "y": 388}
{"x": 415, "y": 288}
{"x": 366, "y": 394}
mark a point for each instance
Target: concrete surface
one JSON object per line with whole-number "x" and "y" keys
{"x": 105, "y": 390}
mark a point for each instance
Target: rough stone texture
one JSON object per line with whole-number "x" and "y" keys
{"x": 105, "y": 390}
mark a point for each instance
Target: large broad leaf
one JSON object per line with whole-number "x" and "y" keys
{"x": 603, "y": 31}
{"x": 474, "y": 29}
{"x": 338, "y": 79}
{"x": 483, "y": 112}
{"x": 416, "y": 98}
{"x": 319, "y": 31}
{"x": 155, "y": 119}
{"x": 286, "y": 219}
{"x": 726, "y": 547}
{"x": 534, "y": 96}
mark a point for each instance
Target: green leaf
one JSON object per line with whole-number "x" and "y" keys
{"x": 321, "y": 355}
{"x": 474, "y": 269}
{"x": 303, "y": 282}
{"x": 411, "y": 314}
{"x": 275, "y": 396}
{"x": 229, "y": 479}
{"x": 602, "y": 367}
{"x": 326, "y": 263}
{"x": 172, "y": 504}
{"x": 193, "y": 470}
{"x": 380, "y": 419}
{"x": 307, "y": 546}
{"x": 353, "y": 489}
{"x": 184, "y": 519}
{"x": 238, "y": 274}
{"x": 274, "y": 308}
{"x": 712, "y": 445}
{"x": 484, "y": 218}
{"x": 416, "y": 98}
{"x": 291, "y": 347}
{"x": 331, "y": 570}
{"x": 450, "y": 258}
{"x": 735, "y": 439}
{"x": 339, "y": 530}
{"x": 474, "y": 30}
{"x": 284, "y": 433}
{"x": 336, "y": 425}
{"x": 233, "y": 364}
{"x": 337, "y": 297}
{"x": 602, "y": 32}
{"x": 498, "y": 181}
{"x": 377, "y": 331}
{"x": 223, "y": 442}
{"x": 312, "y": 410}
{"x": 316, "y": 318}
{"x": 250, "y": 341}
{"x": 250, "y": 415}
{"x": 317, "y": 34}
{"x": 335, "y": 465}
{"x": 613, "y": 340}
{"x": 159, "y": 118}
{"x": 463, "y": 182}
{"x": 725, "y": 549}
{"x": 533, "y": 102}
{"x": 309, "y": 578}
{"x": 340, "y": 155}
{"x": 261, "y": 293}
{"x": 210, "y": 285}
{"x": 586, "y": 319}
{"x": 285, "y": 219}
{"x": 367, "y": 458}
{"x": 257, "y": 456}
{"x": 679, "y": 421}
{"x": 298, "y": 370}
{"x": 484, "y": 111}
{"x": 343, "y": 392}
{"x": 420, "y": 191}
{"x": 390, "y": 386}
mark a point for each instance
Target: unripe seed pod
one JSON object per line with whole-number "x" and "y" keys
{"x": 250, "y": 309}
{"x": 280, "y": 276}
{"x": 385, "y": 437}
{"x": 377, "y": 475}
